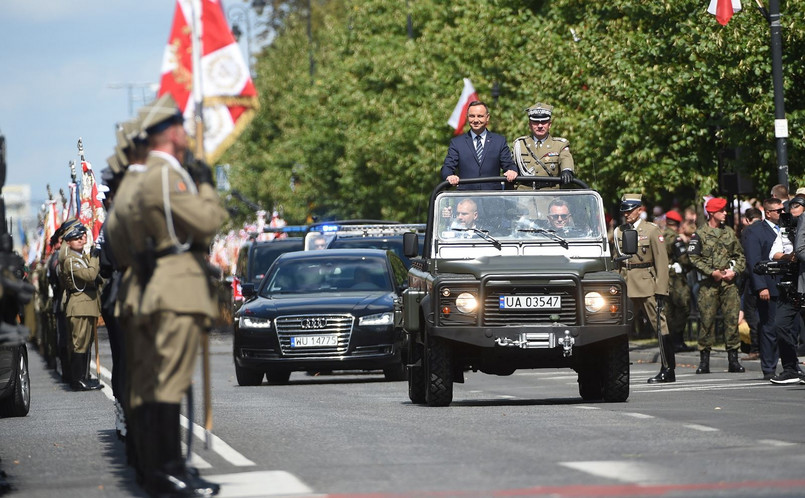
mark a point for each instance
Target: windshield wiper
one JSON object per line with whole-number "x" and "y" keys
{"x": 550, "y": 233}
{"x": 484, "y": 234}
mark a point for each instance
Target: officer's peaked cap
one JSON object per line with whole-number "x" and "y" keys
{"x": 73, "y": 229}
{"x": 159, "y": 115}
{"x": 797, "y": 200}
{"x": 540, "y": 112}
{"x": 630, "y": 201}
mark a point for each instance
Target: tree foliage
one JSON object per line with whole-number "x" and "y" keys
{"x": 646, "y": 92}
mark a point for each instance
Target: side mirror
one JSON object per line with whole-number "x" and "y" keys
{"x": 247, "y": 289}
{"x": 410, "y": 244}
{"x": 629, "y": 242}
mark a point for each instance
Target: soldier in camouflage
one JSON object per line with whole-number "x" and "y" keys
{"x": 677, "y": 307}
{"x": 717, "y": 254}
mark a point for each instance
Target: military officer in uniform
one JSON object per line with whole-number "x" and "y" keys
{"x": 178, "y": 216}
{"x": 79, "y": 277}
{"x": 646, "y": 275}
{"x": 540, "y": 153}
{"x": 717, "y": 254}
{"x": 677, "y": 306}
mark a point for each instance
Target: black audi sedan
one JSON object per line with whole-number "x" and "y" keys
{"x": 322, "y": 310}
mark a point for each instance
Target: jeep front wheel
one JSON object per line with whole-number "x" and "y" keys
{"x": 417, "y": 383}
{"x": 439, "y": 372}
{"x": 616, "y": 370}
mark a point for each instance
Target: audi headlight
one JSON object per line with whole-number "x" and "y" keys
{"x": 466, "y": 302}
{"x": 378, "y": 319}
{"x": 594, "y": 302}
{"x": 252, "y": 322}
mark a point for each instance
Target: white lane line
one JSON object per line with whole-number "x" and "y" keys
{"x": 195, "y": 460}
{"x": 626, "y": 471}
{"x": 582, "y": 407}
{"x": 638, "y": 415}
{"x": 702, "y": 428}
{"x": 261, "y": 483}
{"x": 721, "y": 387}
{"x": 775, "y": 442}
{"x": 218, "y": 445}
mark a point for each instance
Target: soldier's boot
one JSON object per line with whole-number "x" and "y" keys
{"x": 666, "y": 373}
{"x": 170, "y": 420}
{"x": 133, "y": 441}
{"x": 79, "y": 367}
{"x": 732, "y": 361}
{"x": 704, "y": 362}
{"x": 679, "y": 343}
{"x": 66, "y": 369}
{"x": 88, "y": 379}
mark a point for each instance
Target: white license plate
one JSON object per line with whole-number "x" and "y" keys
{"x": 314, "y": 341}
{"x": 530, "y": 302}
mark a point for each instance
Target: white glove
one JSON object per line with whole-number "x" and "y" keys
{"x": 677, "y": 268}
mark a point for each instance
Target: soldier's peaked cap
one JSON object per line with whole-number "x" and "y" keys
{"x": 540, "y": 112}
{"x": 631, "y": 201}
{"x": 73, "y": 229}
{"x": 159, "y": 115}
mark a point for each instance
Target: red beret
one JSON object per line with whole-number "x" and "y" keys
{"x": 715, "y": 205}
{"x": 673, "y": 215}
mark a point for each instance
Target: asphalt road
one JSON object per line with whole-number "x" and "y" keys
{"x": 353, "y": 434}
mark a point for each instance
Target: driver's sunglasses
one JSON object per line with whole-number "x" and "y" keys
{"x": 559, "y": 216}
{"x": 779, "y": 210}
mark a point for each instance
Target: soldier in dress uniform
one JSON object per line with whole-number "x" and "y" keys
{"x": 677, "y": 306}
{"x": 717, "y": 254}
{"x": 540, "y": 153}
{"x": 79, "y": 277}
{"x": 646, "y": 275}
{"x": 178, "y": 216}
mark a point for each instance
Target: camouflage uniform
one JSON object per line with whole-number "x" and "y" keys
{"x": 713, "y": 249}
{"x": 677, "y": 306}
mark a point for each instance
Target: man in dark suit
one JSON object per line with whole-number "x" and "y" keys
{"x": 478, "y": 153}
{"x": 758, "y": 241}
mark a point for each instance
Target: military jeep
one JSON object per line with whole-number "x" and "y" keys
{"x": 512, "y": 291}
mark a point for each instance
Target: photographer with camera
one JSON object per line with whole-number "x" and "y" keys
{"x": 792, "y": 285}
{"x": 763, "y": 241}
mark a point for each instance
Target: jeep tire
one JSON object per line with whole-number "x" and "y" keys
{"x": 439, "y": 372}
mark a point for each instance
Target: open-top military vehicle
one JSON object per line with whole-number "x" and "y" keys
{"x": 513, "y": 291}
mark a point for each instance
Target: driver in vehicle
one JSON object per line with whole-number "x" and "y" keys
{"x": 561, "y": 220}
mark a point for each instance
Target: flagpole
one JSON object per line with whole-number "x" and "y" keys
{"x": 200, "y": 155}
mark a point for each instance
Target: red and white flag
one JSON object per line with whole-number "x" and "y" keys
{"x": 229, "y": 96}
{"x": 459, "y": 117}
{"x": 92, "y": 214}
{"x": 723, "y": 9}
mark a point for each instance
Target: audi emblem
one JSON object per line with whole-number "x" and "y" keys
{"x": 314, "y": 323}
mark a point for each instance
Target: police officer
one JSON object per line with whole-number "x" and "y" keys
{"x": 677, "y": 306}
{"x": 540, "y": 153}
{"x": 717, "y": 254}
{"x": 179, "y": 215}
{"x": 646, "y": 275}
{"x": 79, "y": 276}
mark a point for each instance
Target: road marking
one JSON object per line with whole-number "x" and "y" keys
{"x": 637, "y": 415}
{"x": 775, "y": 442}
{"x": 582, "y": 407}
{"x": 195, "y": 460}
{"x": 260, "y": 483}
{"x": 721, "y": 387}
{"x": 626, "y": 471}
{"x": 702, "y": 428}
{"x": 217, "y": 445}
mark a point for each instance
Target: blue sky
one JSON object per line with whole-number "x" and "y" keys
{"x": 59, "y": 61}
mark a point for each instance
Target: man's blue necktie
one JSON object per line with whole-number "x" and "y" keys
{"x": 479, "y": 148}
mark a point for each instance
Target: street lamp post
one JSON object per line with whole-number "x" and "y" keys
{"x": 239, "y": 14}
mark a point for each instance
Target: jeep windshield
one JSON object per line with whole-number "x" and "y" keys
{"x": 505, "y": 222}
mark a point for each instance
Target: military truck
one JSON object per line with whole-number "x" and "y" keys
{"x": 512, "y": 291}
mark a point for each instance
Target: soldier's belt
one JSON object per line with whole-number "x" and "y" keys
{"x": 630, "y": 266}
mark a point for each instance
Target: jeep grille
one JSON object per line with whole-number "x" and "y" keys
{"x": 493, "y": 316}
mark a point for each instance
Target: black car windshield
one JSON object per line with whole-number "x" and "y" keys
{"x": 328, "y": 275}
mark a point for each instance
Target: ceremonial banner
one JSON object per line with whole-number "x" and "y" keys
{"x": 723, "y": 9}
{"x": 229, "y": 96}
{"x": 92, "y": 214}
{"x": 459, "y": 117}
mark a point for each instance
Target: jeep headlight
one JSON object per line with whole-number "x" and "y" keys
{"x": 378, "y": 319}
{"x": 252, "y": 322}
{"x": 466, "y": 302}
{"x": 594, "y": 302}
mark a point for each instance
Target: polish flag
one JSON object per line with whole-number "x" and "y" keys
{"x": 723, "y": 9}
{"x": 459, "y": 117}
{"x": 91, "y": 214}
{"x": 229, "y": 98}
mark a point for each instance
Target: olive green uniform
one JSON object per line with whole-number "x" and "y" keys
{"x": 677, "y": 306}
{"x": 547, "y": 157}
{"x": 646, "y": 272}
{"x": 82, "y": 297}
{"x": 713, "y": 249}
{"x": 177, "y": 303}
